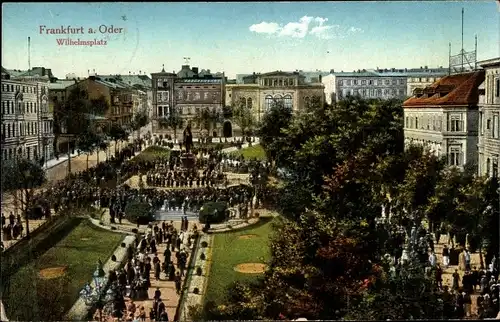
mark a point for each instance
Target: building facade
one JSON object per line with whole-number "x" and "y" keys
{"x": 259, "y": 92}
{"x": 423, "y": 77}
{"x": 27, "y": 121}
{"x": 444, "y": 117}
{"x": 187, "y": 93}
{"x": 384, "y": 84}
{"x": 489, "y": 114}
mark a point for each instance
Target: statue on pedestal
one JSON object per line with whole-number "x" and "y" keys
{"x": 188, "y": 138}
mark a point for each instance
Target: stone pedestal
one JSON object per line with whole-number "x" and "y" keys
{"x": 188, "y": 160}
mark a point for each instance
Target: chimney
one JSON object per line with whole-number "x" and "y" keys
{"x": 426, "y": 67}
{"x": 140, "y": 72}
{"x": 320, "y": 78}
{"x": 129, "y": 72}
{"x": 332, "y": 71}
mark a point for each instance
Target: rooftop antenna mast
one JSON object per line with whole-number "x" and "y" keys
{"x": 187, "y": 59}
{"x": 29, "y": 53}
{"x": 462, "y": 52}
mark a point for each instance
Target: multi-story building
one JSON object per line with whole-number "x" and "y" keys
{"x": 258, "y": 92}
{"x": 378, "y": 83}
{"x": 489, "y": 114}
{"x": 444, "y": 117}
{"x": 116, "y": 93}
{"x": 187, "y": 92}
{"x": 27, "y": 121}
{"x": 423, "y": 77}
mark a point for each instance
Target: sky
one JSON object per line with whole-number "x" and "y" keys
{"x": 248, "y": 37}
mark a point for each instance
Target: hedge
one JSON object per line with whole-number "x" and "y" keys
{"x": 139, "y": 212}
{"x": 208, "y": 211}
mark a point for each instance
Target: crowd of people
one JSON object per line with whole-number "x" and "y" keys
{"x": 145, "y": 262}
{"x": 468, "y": 284}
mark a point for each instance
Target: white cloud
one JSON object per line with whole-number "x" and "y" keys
{"x": 265, "y": 27}
{"x": 354, "y": 29}
{"x": 307, "y": 25}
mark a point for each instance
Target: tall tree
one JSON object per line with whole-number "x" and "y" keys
{"x": 20, "y": 178}
{"x": 270, "y": 132}
{"x": 173, "y": 121}
{"x": 89, "y": 142}
{"x": 243, "y": 117}
{"x": 139, "y": 120}
{"x": 117, "y": 133}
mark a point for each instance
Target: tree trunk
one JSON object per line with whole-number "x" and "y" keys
{"x": 88, "y": 153}
{"x": 98, "y": 151}
{"x": 26, "y": 215}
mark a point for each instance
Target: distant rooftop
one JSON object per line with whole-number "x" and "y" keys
{"x": 199, "y": 80}
{"x": 131, "y": 80}
{"x": 458, "y": 89}
{"x": 61, "y": 84}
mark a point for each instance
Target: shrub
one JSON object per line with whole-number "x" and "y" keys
{"x": 139, "y": 212}
{"x": 204, "y": 244}
{"x": 214, "y": 212}
{"x": 202, "y": 256}
{"x": 198, "y": 271}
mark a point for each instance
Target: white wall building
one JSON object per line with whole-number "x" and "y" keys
{"x": 27, "y": 122}
{"x": 445, "y": 118}
{"x": 489, "y": 114}
{"x": 382, "y": 84}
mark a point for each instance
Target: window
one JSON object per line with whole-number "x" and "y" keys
{"x": 348, "y": 82}
{"x": 456, "y": 124}
{"x": 416, "y": 122}
{"x": 393, "y": 82}
{"x": 386, "y": 91}
{"x": 488, "y": 166}
{"x": 363, "y": 82}
{"x": 481, "y": 125}
{"x": 363, "y": 92}
{"x": 497, "y": 89}
{"x": 370, "y": 82}
{"x": 455, "y": 156}
{"x": 356, "y": 92}
{"x": 268, "y": 102}
{"x": 401, "y": 82}
{"x": 8, "y": 130}
{"x": 286, "y": 82}
{"x": 495, "y": 168}
{"x": 355, "y": 82}
{"x": 249, "y": 103}
{"x": 488, "y": 124}
{"x": 387, "y": 83}
{"x": 379, "y": 92}
{"x": 372, "y": 92}
{"x": 407, "y": 122}
{"x": 341, "y": 83}
{"x": 288, "y": 101}
{"x": 495, "y": 126}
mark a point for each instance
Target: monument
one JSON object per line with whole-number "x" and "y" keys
{"x": 188, "y": 159}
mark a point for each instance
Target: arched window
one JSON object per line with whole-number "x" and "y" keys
{"x": 269, "y": 102}
{"x": 288, "y": 101}
{"x": 249, "y": 103}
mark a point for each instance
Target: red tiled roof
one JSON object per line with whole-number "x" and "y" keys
{"x": 464, "y": 91}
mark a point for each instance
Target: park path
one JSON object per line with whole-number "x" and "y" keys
{"x": 167, "y": 288}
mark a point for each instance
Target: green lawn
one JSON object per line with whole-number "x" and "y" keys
{"x": 229, "y": 251}
{"x": 28, "y": 297}
{"x": 252, "y": 152}
{"x": 152, "y": 153}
